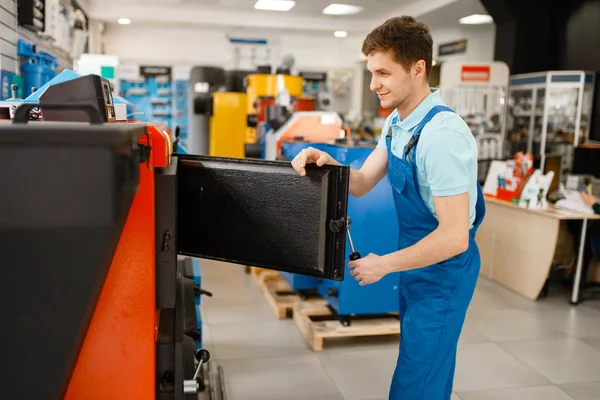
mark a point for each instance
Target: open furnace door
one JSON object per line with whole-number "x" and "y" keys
{"x": 263, "y": 214}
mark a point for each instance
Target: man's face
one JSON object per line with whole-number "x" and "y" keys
{"x": 390, "y": 80}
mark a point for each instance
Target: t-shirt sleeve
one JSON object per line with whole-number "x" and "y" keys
{"x": 386, "y": 126}
{"x": 381, "y": 143}
{"x": 448, "y": 158}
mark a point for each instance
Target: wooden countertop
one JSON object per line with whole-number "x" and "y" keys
{"x": 552, "y": 212}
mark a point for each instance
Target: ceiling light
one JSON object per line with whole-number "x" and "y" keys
{"x": 476, "y": 19}
{"x": 274, "y": 5}
{"x": 341, "y": 9}
{"x": 340, "y": 34}
{"x": 124, "y": 21}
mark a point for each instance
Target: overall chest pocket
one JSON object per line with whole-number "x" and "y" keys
{"x": 397, "y": 176}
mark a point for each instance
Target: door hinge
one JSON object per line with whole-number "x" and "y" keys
{"x": 144, "y": 151}
{"x": 337, "y": 225}
{"x": 167, "y": 241}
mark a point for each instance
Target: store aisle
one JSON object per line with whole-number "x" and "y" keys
{"x": 511, "y": 348}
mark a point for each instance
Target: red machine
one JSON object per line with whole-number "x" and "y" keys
{"x": 91, "y": 225}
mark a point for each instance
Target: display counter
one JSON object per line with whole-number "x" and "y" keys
{"x": 518, "y": 246}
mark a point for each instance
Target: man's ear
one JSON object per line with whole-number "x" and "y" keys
{"x": 419, "y": 68}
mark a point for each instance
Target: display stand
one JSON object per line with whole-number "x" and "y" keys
{"x": 478, "y": 93}
{"x": 553, "y": 127}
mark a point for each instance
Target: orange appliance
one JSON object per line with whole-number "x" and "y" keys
{"x": 94, "y": 221}
{"x": 261, "y": 105}
{"x": 309, "y": 126}
{"x": 305, "y": 104}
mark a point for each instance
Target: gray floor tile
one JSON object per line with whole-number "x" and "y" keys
{"x": 207, "y": 341}
{"x": 594, "y": 303}
{"x": 232, "y": 290}
{"x": 361, "y": 374}
{"x": 269, "y": 359}
{"x": 583, "y": 391}
{"x": 483, "y": 300}
{"x": 580, "y": 322}
{"x": 529, "y": 393}
{"x": 259, "y": 339}
{"x": 558, "y": 298}
{"x": 592, "y": 342}
{"x": 213, "y": 268}
{"x": 513, "y": 325}
{"x": 561, "y": 361}
{"x": 487, "y": 366}
{"x": 298, "y": 378}
{"x": 471, "y": 335}
{"x": 235, "y": 313}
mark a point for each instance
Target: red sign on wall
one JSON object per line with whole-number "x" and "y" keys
{"x": 475, "y": 73}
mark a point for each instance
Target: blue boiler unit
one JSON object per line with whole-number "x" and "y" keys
{"x": 374, "y": 229}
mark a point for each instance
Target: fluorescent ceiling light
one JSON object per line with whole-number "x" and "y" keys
{"x": 340, "y": 34}
{"x": 476, "y": 19}
{"x": 124, "y": 21}
{"x": 274, "y": 5}
{"x": 341, "y": 9}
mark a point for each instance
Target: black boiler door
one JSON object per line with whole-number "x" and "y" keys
{"x": 262, "y": 213}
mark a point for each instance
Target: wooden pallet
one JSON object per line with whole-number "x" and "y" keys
{"x": 316, "y": 322}
{"x": 263, "y": 274}
{"x": 281, "y": 297}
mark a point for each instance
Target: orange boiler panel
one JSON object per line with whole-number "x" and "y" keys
{"x": 118, "y": 356}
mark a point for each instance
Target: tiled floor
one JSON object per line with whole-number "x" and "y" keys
{"x": 511, "y": 348}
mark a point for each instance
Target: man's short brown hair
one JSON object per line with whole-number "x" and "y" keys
{"x": 408, "y": 39}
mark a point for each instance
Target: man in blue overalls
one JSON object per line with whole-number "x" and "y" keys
{"x": 430, "y": 157}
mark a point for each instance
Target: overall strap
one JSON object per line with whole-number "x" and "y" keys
{"x": 417, "y": 133}
{"x": 388, "y": 142}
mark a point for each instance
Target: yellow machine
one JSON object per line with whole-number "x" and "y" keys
{"x": 228, "y": 124}
{"x": 263, "y": 85}
{"x": 223, "y": 113}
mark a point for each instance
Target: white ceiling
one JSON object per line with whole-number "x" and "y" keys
{"x": 312, "y": 8}
{"x": 449, "y": 15}
{"x": 305, "y": 16}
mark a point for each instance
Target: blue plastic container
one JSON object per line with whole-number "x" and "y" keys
{"x": 374, "y": 229}
{"x": 32, "y": 71}
{"x": 37, "y": 68}
{"x": 49, "y": 64}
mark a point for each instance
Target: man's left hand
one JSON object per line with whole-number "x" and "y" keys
{"x": 369, "y": 269}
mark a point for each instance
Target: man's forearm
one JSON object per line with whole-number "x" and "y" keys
{"x": 357, "y": 183}
{"x": 438, "y": 246}
{"x": 356, "y": 179}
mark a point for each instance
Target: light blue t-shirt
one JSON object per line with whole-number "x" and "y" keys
{"x": 446, "y": 155}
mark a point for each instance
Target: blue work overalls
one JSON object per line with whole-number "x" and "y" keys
{"x": 433, "y": 299}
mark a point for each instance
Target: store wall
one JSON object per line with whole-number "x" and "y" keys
{"x": 196, "y": 46}
{"x": 190, "y": 45}
{"x": 480, "y": 42}
{"x": 9, "y": 36}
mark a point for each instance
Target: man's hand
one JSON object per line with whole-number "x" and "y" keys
{"x": 449, "y": 239}
{"x": 308, "y": 156}
{"x": 588, "y": 198}
{"x": 369, "y": 269}
{"x": 361, "y": 182}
